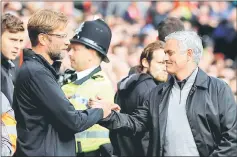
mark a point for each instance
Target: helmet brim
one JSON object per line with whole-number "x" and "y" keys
{"x": 105, "y": 58}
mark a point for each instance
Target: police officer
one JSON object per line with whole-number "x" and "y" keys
{"x": 89, "y": 48}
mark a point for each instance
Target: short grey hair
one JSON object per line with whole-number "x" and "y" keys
{"x": 188, "y": 40}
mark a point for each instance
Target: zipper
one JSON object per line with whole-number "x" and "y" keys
{"x": 188, "y": 102}
{"x": 190, "y": 93}
{"x": 186, "y": 107}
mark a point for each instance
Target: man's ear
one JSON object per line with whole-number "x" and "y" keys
{"x": 42, "y": 39}
{"x": 189, "y": 54}
{"x": 145, "y": 63}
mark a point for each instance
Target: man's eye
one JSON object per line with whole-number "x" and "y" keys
{"x": 170, "y": 53}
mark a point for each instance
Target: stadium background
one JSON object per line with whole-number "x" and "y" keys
{"x": 134, "y": 25}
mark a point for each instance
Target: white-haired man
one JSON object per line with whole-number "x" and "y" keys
{"x": 192, "y": 114}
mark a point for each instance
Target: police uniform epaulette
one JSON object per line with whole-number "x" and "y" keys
{"x": 98, "y": 77}
{"x": 68, "y": 77}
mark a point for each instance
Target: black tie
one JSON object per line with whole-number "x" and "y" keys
{"x": 67, "y": 77}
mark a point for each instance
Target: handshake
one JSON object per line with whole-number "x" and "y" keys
{"x": 103, "y": 104}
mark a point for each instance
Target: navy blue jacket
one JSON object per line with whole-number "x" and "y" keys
{"x": 7, "y": 72}
{"x": 46, "y": 120}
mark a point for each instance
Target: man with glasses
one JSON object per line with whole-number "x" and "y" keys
{"x": 46, "y": 121}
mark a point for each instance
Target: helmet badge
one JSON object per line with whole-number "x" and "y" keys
{"x": 79, "y": 29}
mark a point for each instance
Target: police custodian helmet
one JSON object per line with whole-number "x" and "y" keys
{"x": 95, "y": 34}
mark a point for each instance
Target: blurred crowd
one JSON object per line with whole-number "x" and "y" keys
{"x": 134, "y": 26}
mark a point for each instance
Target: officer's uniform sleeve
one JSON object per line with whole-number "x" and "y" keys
{"x": 54, "y": 103}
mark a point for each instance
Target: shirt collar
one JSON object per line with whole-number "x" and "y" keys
{"x": 189, "y": 79}
{"x": 84, "y": 73}
{"x": 8, "y": 64}
{"x": 46, "y": 64}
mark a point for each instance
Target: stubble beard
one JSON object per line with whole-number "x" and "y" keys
{"x": 55, "y": 55}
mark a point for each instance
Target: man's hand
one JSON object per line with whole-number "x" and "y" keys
{"x": 103, "y": 104}
{"x": 113, "y": 106}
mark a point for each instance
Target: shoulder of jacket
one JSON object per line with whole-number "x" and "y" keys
{"x": 33, "y": 65}
{"x": 145, "y": 85}
{"x": 150, "y": 82}
{"x": 159, "y": 88}
{"x": 31, "y": 69}
{"x": 216, "y": 80}
{"x": 217, "y": 83}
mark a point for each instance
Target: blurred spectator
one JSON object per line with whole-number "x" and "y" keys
{"x": 158, "y": 12}
{"x": 221, "y": 10}
{"x": 169, "y": 25}
{"x": 117, "y": 8}
{"x": 224, "y": 36}
{"x": 12, "y": 7}
{"x": 148, "y": 34}
{"x": 132, "y": 15}
{"x": 215, "y": 22}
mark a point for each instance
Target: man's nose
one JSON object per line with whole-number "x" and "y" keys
{"x": 18, "y": 45}
{"x": 67, "y": 41}
{"x": 70, "y": 52}
{"x": 166, "y": 57}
